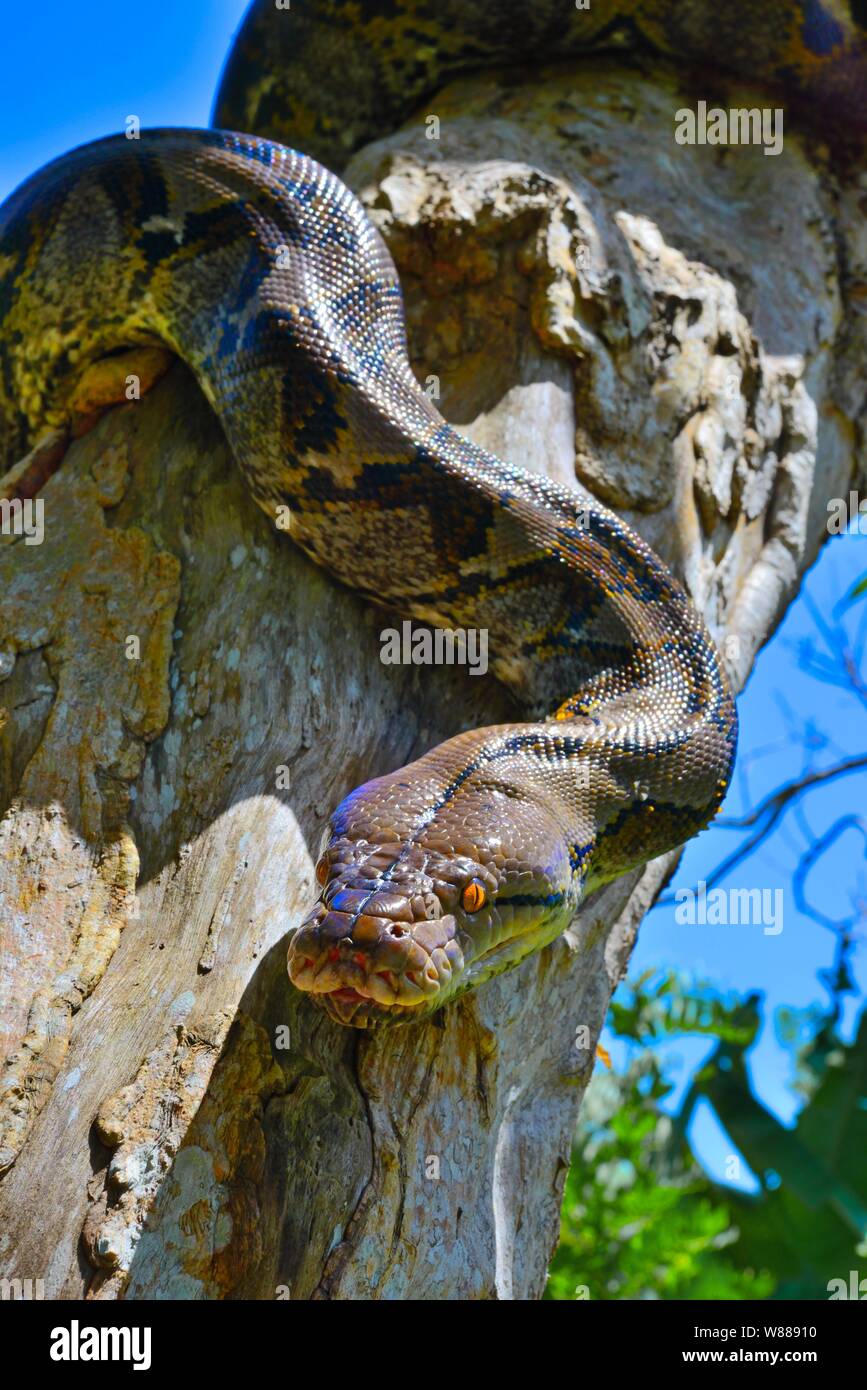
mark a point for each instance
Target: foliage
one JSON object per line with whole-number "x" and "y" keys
{"x": 641, "y": 1219}
{"x": 858, "y": 590}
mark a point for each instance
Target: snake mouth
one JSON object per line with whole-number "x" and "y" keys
{"x": 357, "y": 1009}
{"x": 361, "y": 1008}
{"x": 378, "y": 997}
{"x": 363, "y": 970}
{"x": 367, "y": 971}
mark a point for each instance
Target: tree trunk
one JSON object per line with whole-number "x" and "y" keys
{"x": 678, "y": 326}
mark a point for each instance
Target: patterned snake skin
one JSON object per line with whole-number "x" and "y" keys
{"x": 330, "y": 75}
{"x": 260, "y": 270}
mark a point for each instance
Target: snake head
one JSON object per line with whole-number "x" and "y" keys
{"x": 409, "y": 916}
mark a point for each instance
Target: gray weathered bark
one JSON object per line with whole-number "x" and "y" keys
{"x": 679, "y": 327}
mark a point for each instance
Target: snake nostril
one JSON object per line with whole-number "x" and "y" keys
{"x": 388, "y": 976}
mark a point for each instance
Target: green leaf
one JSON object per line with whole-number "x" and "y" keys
{"x": 857, "y": 591}
{"x": 640, "y": 1219}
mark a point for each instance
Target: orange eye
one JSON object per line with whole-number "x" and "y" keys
{"x": 474, "y": 896}
{"x": 322, "y": 871}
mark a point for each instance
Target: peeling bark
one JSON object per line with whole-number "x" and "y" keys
{"x": 681, "y": 329}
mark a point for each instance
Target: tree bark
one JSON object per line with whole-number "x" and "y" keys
{"x": 680, "y": 328}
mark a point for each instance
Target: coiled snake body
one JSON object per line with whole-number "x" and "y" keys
{"x": 259, "y": 268}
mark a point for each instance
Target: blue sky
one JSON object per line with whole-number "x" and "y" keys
{"x": 99, "y": 63}
{"x": 73, "y": 70}
{"x": 789, "y": 720}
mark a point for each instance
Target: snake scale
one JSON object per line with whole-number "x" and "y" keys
{"x": 256, "y": 265}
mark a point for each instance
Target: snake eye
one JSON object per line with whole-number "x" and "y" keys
{"x": 322, "y": 871}
{"x": 474, "y": 896}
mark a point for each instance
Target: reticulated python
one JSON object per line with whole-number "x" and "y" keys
{"x": 259, "y": 269}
